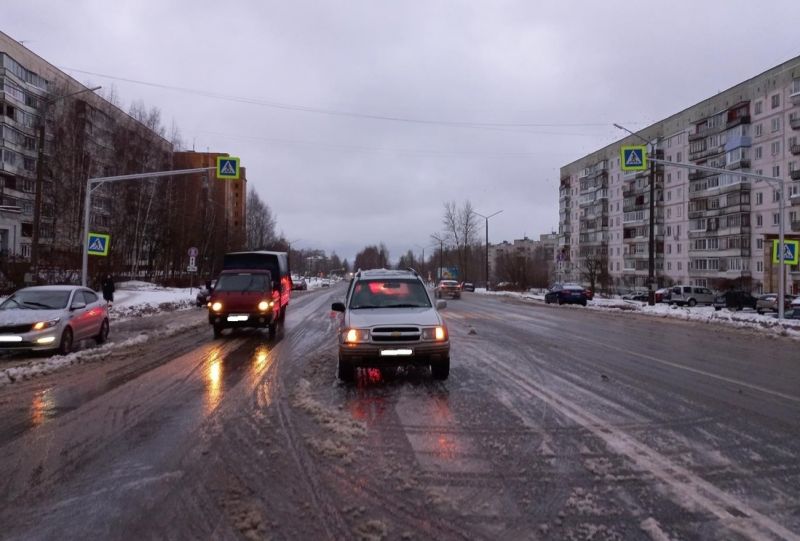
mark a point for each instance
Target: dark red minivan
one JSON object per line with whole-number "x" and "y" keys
{"x": 244, "y": 298}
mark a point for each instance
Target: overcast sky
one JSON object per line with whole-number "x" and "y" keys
{"x": 356, "y": 120}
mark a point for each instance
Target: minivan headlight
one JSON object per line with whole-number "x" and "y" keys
{"x": 217, "y": 306}
{"x": 263, "y": 306}
{"x": 354, "y": 336}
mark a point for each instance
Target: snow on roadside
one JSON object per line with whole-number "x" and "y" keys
{"x": 706, "y": 314}
{"x": 131, "y": 300}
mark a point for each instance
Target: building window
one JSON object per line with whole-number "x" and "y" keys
{"x": 680, "y": 265}
{"x": 776, "y": 124}
{"x": 776, "y": 101}
{"x": 759, "y": 220}
{"x": 678, "y": 247}
{"x": 776, "y": 171}
{"x": 758, "y": 107}
{"x": 760, "y": 243}
{"x": 679, "y": 158}
{"x": 758, "y": 130}
{"x": 776, "y": 196}
{"x": 758, "y": 153}
{"x": 776, "y": 218}
{"x": 759, "y": 266}
{"x": 775, "y": 148}
{"x": 759, "y": 198}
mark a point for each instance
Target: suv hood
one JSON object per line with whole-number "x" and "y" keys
{"x": 371, "y": 317}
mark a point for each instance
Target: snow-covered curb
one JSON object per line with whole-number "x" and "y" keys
{"x": 705, "y": 314}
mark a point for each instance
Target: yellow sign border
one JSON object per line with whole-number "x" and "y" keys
{"x": 107, "y": 245}
{"x": 776, "y": 259}
{"x": 624, "y": 167}
{"x": 219, "y": 168}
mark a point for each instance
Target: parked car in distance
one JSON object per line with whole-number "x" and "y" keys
{"x": 467, "y": 286}
{"x": 663, "y": 294}
{"x": 566, "y": 294}
{"x": 794, "y": 313}
{"x": 299, "y": 283}
{"x": 734, "y": 300}
{"x": 53, "y": 318}
{"x": 448, "y": 288}
{"x": 641, "y": 296}
{"x": 768, "y": 302}
{"x": 690, "y": 295}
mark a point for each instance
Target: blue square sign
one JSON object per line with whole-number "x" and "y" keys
{"x": 634, "y": 158}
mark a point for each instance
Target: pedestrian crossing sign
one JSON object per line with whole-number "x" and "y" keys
{"x": 227, "y": 168}
{"x": 634, "y": 158}
{"x": 791, "y": 252}
{"x": 98, "y": 244}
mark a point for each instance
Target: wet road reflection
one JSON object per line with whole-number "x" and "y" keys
{"x": 213, "y": 379}
{"x": 43, "y": 407}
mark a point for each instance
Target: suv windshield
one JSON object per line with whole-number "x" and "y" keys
{"x": 243, "y": 282}
{"x": 393, "y": 293}
{"x": 36, "y": 300}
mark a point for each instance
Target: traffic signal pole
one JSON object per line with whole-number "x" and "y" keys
{"x": 93, "y": 183}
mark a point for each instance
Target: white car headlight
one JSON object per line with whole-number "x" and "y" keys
{"x": 42, "y": 325}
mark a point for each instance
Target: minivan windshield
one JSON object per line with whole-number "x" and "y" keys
{"x": 244, "y": 281}
{"x": 395, "y": 293}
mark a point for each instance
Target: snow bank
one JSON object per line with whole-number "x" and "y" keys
{"x": 707, "y": 314}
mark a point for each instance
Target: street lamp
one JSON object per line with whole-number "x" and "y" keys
{"x": 37, "y": 203}
{"x": 440, "y": 240}
{"x": 651, "y": 244}
{"x": 422, "y": 267}
{"x": 487, "y": 242}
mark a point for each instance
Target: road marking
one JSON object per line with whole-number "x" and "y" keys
{"x": 690, "y": 369}
{"x": 685, "y": 484}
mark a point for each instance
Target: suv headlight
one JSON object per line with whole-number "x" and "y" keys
{"x": 354, "y": 336}
{"x": 438, "y": 334}
{"x": 41, "y": 325}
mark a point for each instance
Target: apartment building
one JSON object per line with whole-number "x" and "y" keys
{"x": 84, "y": 136}
{"x": 529, "y": 250}
{"x": 711, "y": 229}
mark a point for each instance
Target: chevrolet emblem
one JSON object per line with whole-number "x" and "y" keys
{"x": 396, "y": 334}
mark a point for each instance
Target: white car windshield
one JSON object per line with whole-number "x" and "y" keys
{"x": 36, "y": 300}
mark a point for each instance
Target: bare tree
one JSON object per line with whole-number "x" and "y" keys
{"x": 461, "y": 228}
{"x": 259, "y": 222}
{"x": 594, "y": 269}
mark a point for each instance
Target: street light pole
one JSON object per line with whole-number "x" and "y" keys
{"x": 37, "y": 202}
{"x": 441, "y": 253}
{"x": 486, "y": 276}
{"x": 651, "y": 242}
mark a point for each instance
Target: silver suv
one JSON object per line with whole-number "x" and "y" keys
{"x": 390, "y": 320}
{"x": 690, "y": 295}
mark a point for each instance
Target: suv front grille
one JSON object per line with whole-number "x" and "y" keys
{"x": 396, "y": 334}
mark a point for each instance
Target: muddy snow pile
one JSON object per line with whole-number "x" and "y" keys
{"x": 136, "y": 299}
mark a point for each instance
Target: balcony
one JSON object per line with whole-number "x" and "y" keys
{"x": 795, "y": 149}
{"x": 740, "y": 164}
{"x": 795, "y": 174}
{"x": 744, "y": 119}
{"x": 794, "y": 122}
{"x": 795, "y": 226}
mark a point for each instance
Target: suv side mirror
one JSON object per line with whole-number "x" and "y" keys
{"x": 337, "y": 307}
{"x": 441, "y": 305}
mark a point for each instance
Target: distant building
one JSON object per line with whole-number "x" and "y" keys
{"x": 530, "y": 250}
{"x": 710, "y": 229}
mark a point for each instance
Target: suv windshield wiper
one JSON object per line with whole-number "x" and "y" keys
{"x": 364, "y": 306}
{"x": 405, "y": 306}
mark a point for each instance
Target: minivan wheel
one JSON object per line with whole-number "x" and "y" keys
{"x": 65, "y": 346}
{"x": 692, "y": 302}
{"x": 217, "y": 331}
{"x": 272, "y": 329}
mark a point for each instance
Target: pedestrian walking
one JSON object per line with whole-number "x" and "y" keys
{"x": 107, "y": 284}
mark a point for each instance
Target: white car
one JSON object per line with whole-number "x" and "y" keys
{"x": 52, "y": 318}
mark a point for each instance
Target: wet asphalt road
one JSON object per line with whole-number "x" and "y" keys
{"x": 556, "y": 423}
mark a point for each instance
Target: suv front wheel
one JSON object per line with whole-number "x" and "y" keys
{"x": 440, "y": 369}
{"x": 346, "y": 370}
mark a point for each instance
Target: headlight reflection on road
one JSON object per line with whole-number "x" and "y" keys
{"x": 262, "y": 360}
{"x": 214, "y": 379}
{"x": 41, "y": 407}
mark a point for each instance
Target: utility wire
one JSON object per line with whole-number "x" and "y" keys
{"x": 352, "y": 114}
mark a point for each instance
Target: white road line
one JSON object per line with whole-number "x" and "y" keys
{"x": 684, "y": 484}
{"x": 690, "y": 369}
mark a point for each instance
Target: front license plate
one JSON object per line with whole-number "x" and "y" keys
{"x": 396, "y": 352}
{"x": 237, "y": 318}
